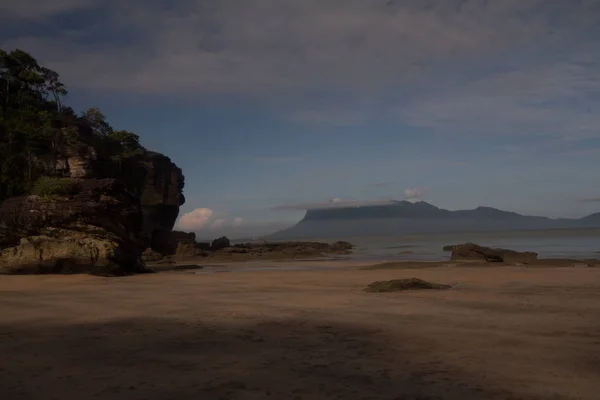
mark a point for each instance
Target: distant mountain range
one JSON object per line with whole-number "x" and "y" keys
{"x": 404, "y": 217}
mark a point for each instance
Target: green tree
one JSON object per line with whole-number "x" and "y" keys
{"x": 124, "y": 145}
{"x": 36, "y": 125}
{"x": 97, "y": 122}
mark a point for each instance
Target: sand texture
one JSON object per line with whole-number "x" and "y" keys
{"x": 500, "y": 333}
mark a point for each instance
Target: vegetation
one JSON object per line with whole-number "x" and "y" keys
{"x": 49, "y": 187}
{"x": 37, "y": 129}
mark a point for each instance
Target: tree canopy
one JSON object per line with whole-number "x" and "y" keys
{"x": 35, "y": 124}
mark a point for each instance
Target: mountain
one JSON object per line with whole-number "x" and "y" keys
{"x": 404, "y": 217}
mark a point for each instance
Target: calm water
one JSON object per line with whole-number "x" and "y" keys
{"x": 549, "y": 244}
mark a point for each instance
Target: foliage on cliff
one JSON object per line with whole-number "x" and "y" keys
{"x": 35, "y": 124}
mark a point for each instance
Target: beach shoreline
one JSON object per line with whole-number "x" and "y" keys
{"x": 503, "y": 332}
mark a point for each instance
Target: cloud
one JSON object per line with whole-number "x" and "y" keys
{"x": 591, "y": 200}
{"x": 36, "y": 9}
{"x": 206, "y": 219}
{"x": 231, "y": 46}
{"x": 413, "y": 193}
{"x": 380, "y": 184}
{"x": 195, "y": 220}
{"x": 466, "y": 67}
{"x": 276, "y": 159}
{"x": 218, "y": 224}
{"x": 559, "y": 99}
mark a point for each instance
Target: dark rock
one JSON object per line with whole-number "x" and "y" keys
{"x": 220, "y": 243}
{"x": 176, "y": 237}
{"x": 158, "y": 184}
{"x": 341, "y": 247}
{"x": 471, "y": 251}
{"x": 203, "y": 245}
{"x": 397, "y": 285}
{"x": 101, "y": 229}
{"x": 286, "y": 249}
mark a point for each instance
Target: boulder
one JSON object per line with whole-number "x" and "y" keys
{"x": 150, "y": 255}
{"x": 188, "y": 250}
{"x": 66, "y": 252}
{"x": 95, "y": 228}
{"x": 220, "y": 243}
{"x": 472, "y": 251}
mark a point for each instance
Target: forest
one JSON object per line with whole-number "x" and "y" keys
{"x": 38, "y": 129}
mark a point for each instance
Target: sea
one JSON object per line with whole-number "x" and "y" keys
{"x": 563, "y": 243}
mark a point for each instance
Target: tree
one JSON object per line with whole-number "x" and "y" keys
{"x": 35, "y": 125}
{"x": 54, "y": 86}
{"x": 97, "y": 122}
{"x": 124, "y": 145}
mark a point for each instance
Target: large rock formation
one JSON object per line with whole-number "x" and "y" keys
{"x": 471, "y": 251}
{"x": 103, "y": 227}
{"x": 159, "y": 184}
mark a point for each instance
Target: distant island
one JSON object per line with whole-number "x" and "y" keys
{"x": 404, "y": 217}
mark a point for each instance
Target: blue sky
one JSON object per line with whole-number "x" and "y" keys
{"x": 269, "y": 105}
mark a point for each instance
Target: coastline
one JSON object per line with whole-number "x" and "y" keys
{"x": 204, "y": 265}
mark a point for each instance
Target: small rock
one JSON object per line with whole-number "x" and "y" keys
{"x": 397, "y": 285}
{"x": 581, "y": 265}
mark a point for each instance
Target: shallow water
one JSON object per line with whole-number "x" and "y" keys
{"x": 578, "y": 244}
{"x": 214, "y": 270}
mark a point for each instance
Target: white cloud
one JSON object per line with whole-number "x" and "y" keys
{"x": 413, "y": 193}
{"x": 218, "y": 224}
{"x": 195, "y": 220}
{"x": 208, "y": 220}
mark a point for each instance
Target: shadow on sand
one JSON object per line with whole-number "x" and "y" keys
{"x": 166, "y": 359}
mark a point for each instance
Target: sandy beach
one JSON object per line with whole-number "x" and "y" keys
{"x": 502, "y": 333}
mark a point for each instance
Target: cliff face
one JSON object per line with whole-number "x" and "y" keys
{"x": 158, "y": 184}
{"x": 103, "y": 226}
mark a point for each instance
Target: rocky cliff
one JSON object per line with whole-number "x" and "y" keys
{"x": 102, "y": 226}
{"x": 158, "y": 184}
{"x": 75, "y": 193}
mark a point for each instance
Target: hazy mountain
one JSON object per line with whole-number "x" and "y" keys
{"x": 403, "y": 217}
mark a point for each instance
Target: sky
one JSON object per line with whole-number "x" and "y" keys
{"x": 272, "y": 106}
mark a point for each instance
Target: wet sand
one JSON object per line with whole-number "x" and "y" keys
{"x": 503, "y": 333}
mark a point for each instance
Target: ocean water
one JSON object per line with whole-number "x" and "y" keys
{"x": 577, "y": 244}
